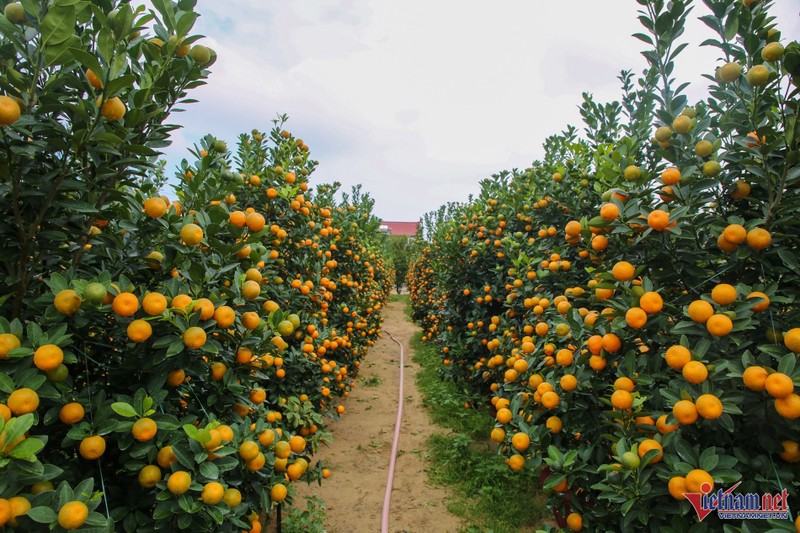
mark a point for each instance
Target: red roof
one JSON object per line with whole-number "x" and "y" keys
{"x": 401, "y": 228}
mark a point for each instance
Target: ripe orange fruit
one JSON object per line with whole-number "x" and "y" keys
{"x": 521, "y": 441}
{"x": 249, "y": 450}
{"x": 758, "y": 238}
{"x": 218, "y": 371}
{"x": 297, "y": 444}
{"x": 92, "y": 447}
{"x": 516, "y": 462}
{"x": 73, "y": 515}
{"x": 8, "y": 342}
{"x": 624, "y": 383}
{"x": 113, "y": 109}
{"x": 623, "y": 271}
{"x": 696, "y": 479}
{"x": 212, "y": 493}
{"x": 792, "y": 340}
{"x": 572, "y": 228}
{"x": 224, "y": 316}
{"x": 724, "y": 294}
{"x": 677, "y": 356}
{"x": 700, "y": 311}
{"x": 179, "y": 482}
{"x": 191, "y": 234}
{"x": 67, "y": 302}
{"x": 663, "y": 427}
{"x": 155, "y": 207}
{"x": 194, "y": 338}
{"x": 71, "y": 413}
{"x": 658, "y": 220}
{"x": 144, "y": 429}
{"x": 498, "y": 435}
{"x": 695, "y": 372}
{"x": 735, "y": 234}
{"x": 709, "y": 406}
{"x": 278, "y": 492}
{"x": 599, "y": 243}
{"x": 789, "y": 406}
{"x": 255, "y": 222}
{"x": 676, "y": 487}
{"x": 94, "y": 79}
{"x": 651, "y": 444}
{"x": 719, "y": 325}
{"x": 237, "y": 218}
{"x": 575, "y": 522}
{"x": 568, "y": 382}
{"x": 636, "y": 318}
{"x": 685, "y": 412}
{"x": 205, "y": 307}
{"x": 148, "y": 476}
{"x": 611, "y": 343}
{"x": 125, "y": 304}
{"x": 48, "y": 357}
{"x": 139, "y": 330}
{"x": 23, "y": 401}
{"x": 166, "y": 457}
{"x": 671, "y": 176}
{"x": 154, "y": 303}
{"x": 761, "y": 306}
{"x": 550, "y": 400}
{"x": 176, "y": 377}
{"x": 554, "y": 424}
{"x": 9, "y": 111}
{"x": 651, "y": 302}
{"x": 755, "y": 378}
{"x": 778, "y": 385}
{"x": 622, "y": 400}
{"x": 791, "y": 451}
{"x": 609, "y": 212}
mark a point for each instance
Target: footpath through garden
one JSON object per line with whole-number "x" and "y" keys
{"x": 359, "y": 455}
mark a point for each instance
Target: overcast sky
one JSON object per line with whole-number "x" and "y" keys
{"x": 419, "y": 100}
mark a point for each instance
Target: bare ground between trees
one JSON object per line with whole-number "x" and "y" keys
{"x": 359, "y": 455}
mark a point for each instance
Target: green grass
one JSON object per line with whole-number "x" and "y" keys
{"x": 488, "y": 494}
{"x": 399, "y": 298}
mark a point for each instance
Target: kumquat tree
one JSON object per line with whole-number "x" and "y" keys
{"x": 166, "y": 362}
{"x": 627, "y": 307}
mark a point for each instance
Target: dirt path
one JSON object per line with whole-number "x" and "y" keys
{"x": 359, "y": 456}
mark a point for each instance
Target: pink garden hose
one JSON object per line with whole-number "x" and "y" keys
{"x": 387, "y": 499}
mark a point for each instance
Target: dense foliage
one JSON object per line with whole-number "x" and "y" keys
{"x": 629, "y": 304}
{"x": 166, "y": 362}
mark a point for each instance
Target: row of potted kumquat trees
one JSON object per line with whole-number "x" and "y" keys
{"x": 627, "y": 307}
{"x": 166, "y": 362}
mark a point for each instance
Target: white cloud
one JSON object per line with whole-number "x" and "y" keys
{"x": 419, "y": 100}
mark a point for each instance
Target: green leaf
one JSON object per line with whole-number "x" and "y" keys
{"x": 209, "y": 470}
{"x": 42, "y": 515}
{"x": 787, "y": 363}
{"x": 124, "y": 409}
{"x": 6, "y": 383}
{"x": 27, "y": 449}
{"x": 58, "y": 25}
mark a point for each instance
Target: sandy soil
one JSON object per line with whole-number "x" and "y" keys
{"x": 359, "y": 455}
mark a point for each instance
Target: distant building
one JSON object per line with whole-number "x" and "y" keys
{"x": 399, "y": 228}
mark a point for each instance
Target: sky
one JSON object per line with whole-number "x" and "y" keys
{"x": 419, "y": 100}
